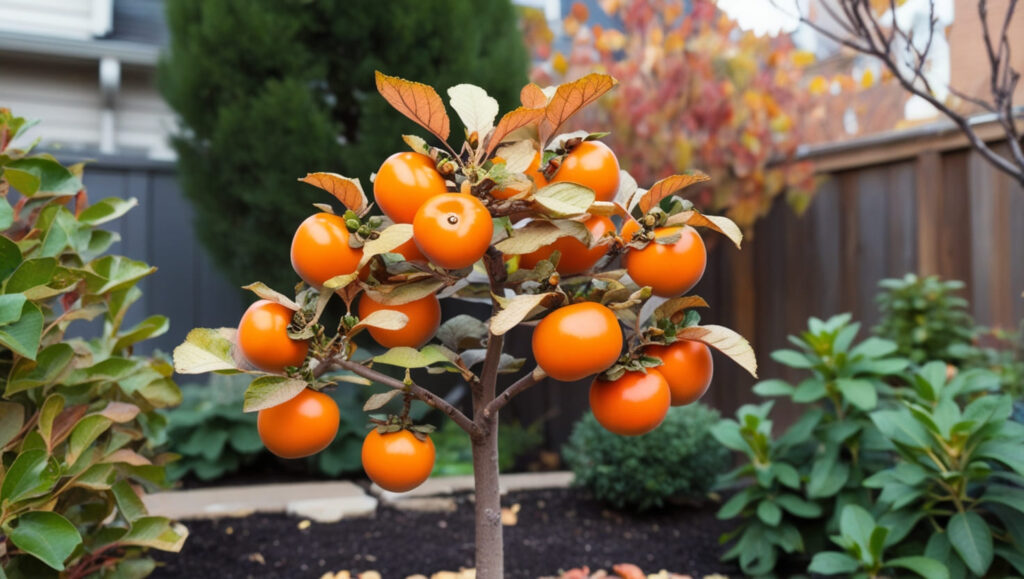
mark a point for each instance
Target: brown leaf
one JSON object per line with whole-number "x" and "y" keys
{"x": 348, "y": 191}
{"x": 573, "y": 96}
{"x": 65, "y": 421}
{"x": 666, "y": 187}
{"x": 262, "y": 290}
{"x": 512, "y": 121}
{"x": 628, "y": 571}
{"x": 127, "y": 456}
{"x": 725, "y": 341}
{"x": 533, "y": 97}
{"x": 723, "y": 225}
{"x": 519, "y": 308}
{"x": 674, "y": 305}
{"x": 120, "y": 411}
{"x": 418, "y": 101}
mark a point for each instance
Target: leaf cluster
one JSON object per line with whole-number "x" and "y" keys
{"x": 925, "y": 317}
{"x": 678, "y": 460}
{"x": 78, "y": 417}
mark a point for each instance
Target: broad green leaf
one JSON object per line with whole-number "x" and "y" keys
{"x": 52, "y": 406}
{"x": 970, "y": 536}
{"x": 10, "y": 307}
{"x": 151, "y": 327}
{"x": 162, "y": 393}
{"x": 876, "y": 544}
{"x": 860, "y": 393}
{"x": 924, "y": 566}
{"x": 735, "y": 505}
{"x": 727, "y": 432}
{"x": 34, "y": 175}
{"x": 84, "y": 434}
{"x": 204, "y": 350}
{"x": 12, "y": 418}
{"x": 773, "y": 388}
{"x": 857, "y": 524}
{"x": 10, "y": 257}
{"x": 938, "y": 548}
{"x": 23, "y": 336}
{"x": 1008, "y": 452}
{"x": 128, "y": 502}
{"x": 899, "y": 523}
{"x": 809, "y": 390}
{"x": 64, "y": 232}
{"x": 786, "y": 474}
{"x": 32, "y": 474}
{"x": 1012, "y": 556}
{"x": 49, "y": 367}
{"x": 564, "y": 199}
{"x": 114, "y": 272}
{"x": 832, "y": 563}
{"x": 873, "y": 348}
{"x": 268, "y": 391}
{"x": 769, "y": 512}
{"x": 98, "y": 477}
{"x": 6, "y": 214}
{"x": 802, "y": 429}
{"x": 47, "y": 536}
{"x": 792, "y": 358}
{"x": 1012, "y": 497}
{"x": 404, "y": 357}
{"x": 827, "y": 477}
{"x": 106, "y": 210}
{"x": 462, "y": 332}
{"x": 798, "y": 506}
{"x": 899, "y": 426}
{"x": 157, "y": 533}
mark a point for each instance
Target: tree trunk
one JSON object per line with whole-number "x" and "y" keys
{"x": 490, "y": 553}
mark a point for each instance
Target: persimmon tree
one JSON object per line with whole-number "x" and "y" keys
{"x": 496, "y": 219}
{"x": 697, "y": 92}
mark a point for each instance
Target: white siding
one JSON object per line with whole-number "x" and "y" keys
{"x": 65, "y": 18}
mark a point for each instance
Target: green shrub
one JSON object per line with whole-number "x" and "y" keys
{"x": 678, "y": 459}
{"x": 925, "y": 318}
{"x": 78, "y": 417}
{"x": 215, "y": 439}
{"x": 931, "y": 463}
{"x": 268, "y": 90}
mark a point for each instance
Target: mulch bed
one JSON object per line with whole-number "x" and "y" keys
{"x": 557, "y": 529}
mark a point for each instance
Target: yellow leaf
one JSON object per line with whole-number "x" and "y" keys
{"x": 819, "y": 85}
{"x": 803, "y": 58}
{"x": 417, "y": 101}
{"x": 520, "y": 308}
{"x": 348, "y": 191}
{"x": 867, "y": 80}
{"x": 533, "y": 97}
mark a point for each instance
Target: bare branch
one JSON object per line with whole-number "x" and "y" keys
{"x": 419, "y": 392}
{"x": 512, "y": 391}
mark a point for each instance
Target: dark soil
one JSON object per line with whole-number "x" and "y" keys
{"x": 556, "y": 530}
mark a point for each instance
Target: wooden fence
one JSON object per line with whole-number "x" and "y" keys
{"x": 918, "y": 201}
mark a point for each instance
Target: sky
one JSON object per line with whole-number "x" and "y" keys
{"x": 759, "y": 15}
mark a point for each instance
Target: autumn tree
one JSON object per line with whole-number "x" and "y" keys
{"x": 510, "y": 216}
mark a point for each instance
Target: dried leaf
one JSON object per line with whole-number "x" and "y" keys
{"x": 519, "y": 308}
{"x": 571, "y": 97}
{"x": 675, "y": 305}
{"x": 417, "y": 101}
{"x": 513, "y": 120}
{"x": 725, "y": 341}
{"x": 388, "y": 240}
{"x": 627, "y": 188}
{"x": 416, "y": 143}
{"x": 723, "y": 225}
{"x": 379, "y": 400}
{"x": 564, "y": 199}
{"x": 533, "y": 97}
{"x": 268, "y": 391}
{"x": 120, "y": 412}
{"x": 126, "y": 456}
{"x": 539, "y": 233}
{"x": 396, "y": 295}
{"x": 518, "y": 156}
{"x": 666, "y": 187}
{"x": 341, "y": 281}
{"x": 348, "y": 191}
{"x": 476, "y": 109}
{"x": 384, "y": 320}
{"x": 259, "y": 288}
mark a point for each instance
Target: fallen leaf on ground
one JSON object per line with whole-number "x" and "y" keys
{"x": 304, "y": 524}
{"x": 629, "y": 571}
{"x": 510, "y": 516}
{"x": 369, "y": 575}
{"x": 257, "y": 558}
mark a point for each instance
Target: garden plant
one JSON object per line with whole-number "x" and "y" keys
{"x": 78, "y": 417}
{"x": 519, "y": 217}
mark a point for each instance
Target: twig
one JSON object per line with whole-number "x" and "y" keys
{"x": 419, "y": 392}
{"x": 511, "y": 392}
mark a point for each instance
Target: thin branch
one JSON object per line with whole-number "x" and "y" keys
{"x": 419, "y": 392}
{"x": 512, "y": 391}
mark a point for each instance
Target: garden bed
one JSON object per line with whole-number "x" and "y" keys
{"x": 556, "y": 529}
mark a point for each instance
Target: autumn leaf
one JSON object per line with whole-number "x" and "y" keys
{"x": 513, "y": 120}
{"x": 533, "y": 97}
{"x": 418, "y": 101}
{"x": 725, "y": 341}
{"x": 666, "y": 187}
{"x": 263, "y": 291}
{"x": 348, "y": 191}
{"x": 519, "y": 308}
{"x": 723, "y": 225}
{"x": 476, "y": 109}
{"x": 573, "y": 96}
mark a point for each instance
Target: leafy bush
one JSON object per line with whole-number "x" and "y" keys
{"x": 678, "y": 459}
{"x": 455, "y": 450}
{"x": 925, "y": 318}
{"x": 1000, "y": 351}
{"x": 78, "y": 418}
{"x": 269, "y": 84}
{"x": 214, "y": 439}
{"x": 932, "y": 459}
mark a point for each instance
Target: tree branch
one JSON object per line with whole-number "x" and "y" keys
{"x": 419, "y": 392}
{"x": 517, "y": 387}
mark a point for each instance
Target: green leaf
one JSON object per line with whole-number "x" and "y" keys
{"x": 32, "y": 474}
{"x": 735, "y": 505}
{"x": 900, "y": 426}
{"x": 857, "y": 524}
{"x": 462, "y": 332}
{"x": 769, "y": 512}
{"x": 564, "y": 199}
{"x": 786, "y": 474}
{"x": 727, "y": 432}
{"x": 11, "y": 306}
{"x": 151, "y": 327}
{"x": 106, "y": 210}
{"x": 52, "y": 406}
{"x": 31, "y": 273}
{"x": 873, "y": 348}
{"x": 900, "y": 523}
{"x": 1012, "y": 556}
{"x": 98, "y": 477}
{"x": 23, "y": 336}
{"x": 128, "y": 502}
{"x": 798, "y": 506}
{"x": 938, "y": 548}
{"x": 809, "y": 390}
{"x": 65, "y": 231}
{"x": 12, "y": 418}
{"x": 10, "y": 257}
{"x": 768, "y": 388}
{"x": 404, "y": 357}
{"x": 970, "y": 536}
{"x": 84, "y": 434}
{"x": 827, "y": 477}
{"x": 876, "y": 543}
{"x": 924, "y": 566}
{"x": 832, "y": 563}
{"x": 268, "y": 391}
{"x": 860, "y": 393}
{"x": 802, "y": 429}
{"x": 49, "y": 367}
{"x": 792, "y": 358}
{"x": 205, "y": 350}
{"x": 34, "y": 175}
{"x": 1008, "y": 452}
{"x": 6, "y": 214}
{"x": 47, "y": 536}
{"x": 114, "y": 272}
{"x": 1012, "y": 497}
{"x": 157, "y": 533}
